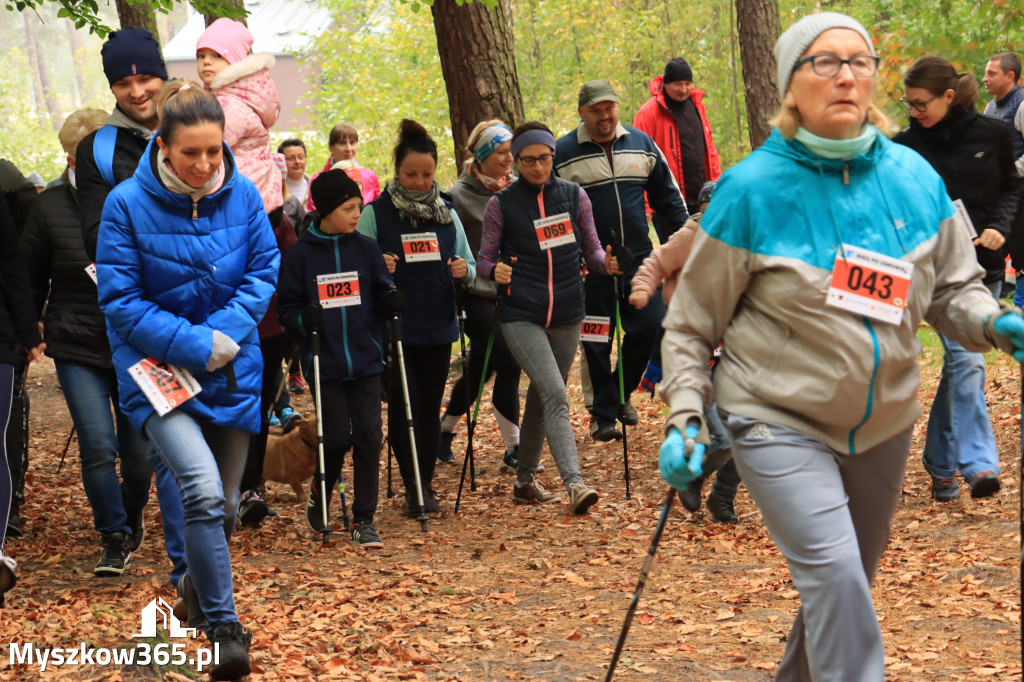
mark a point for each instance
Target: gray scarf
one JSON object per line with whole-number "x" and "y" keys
{"x": 416, "y": 207}
{"x": 119, "y": 119}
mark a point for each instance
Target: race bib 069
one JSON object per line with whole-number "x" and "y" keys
{"x": 554, "y": 231}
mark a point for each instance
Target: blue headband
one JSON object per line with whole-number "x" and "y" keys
{"x": 492, "y": 138}
{"x": 533, "y": 136}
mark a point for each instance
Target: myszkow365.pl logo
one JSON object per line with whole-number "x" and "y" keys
{"x": 155, "y": 613}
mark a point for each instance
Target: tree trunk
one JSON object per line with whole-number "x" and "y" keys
{"x": 758, "y": 25}
{"x": 238, "y": 4}
{"x": 41, "y": 82}
{"x": 78, "y": 61}
{"x": 477, "y": 54}
{"x": 140, "y": 15}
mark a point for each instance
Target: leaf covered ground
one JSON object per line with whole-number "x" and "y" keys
{"x": 502, "y": 592}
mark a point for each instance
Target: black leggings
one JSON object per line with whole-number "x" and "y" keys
{"x": 274, "y": 350}
{"x": 427, "y": 371}
{"x": 481, "y": 322}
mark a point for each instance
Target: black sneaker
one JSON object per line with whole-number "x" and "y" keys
{"x": 628, "y": 415}
{"x": 314, "y": 508}
{"x": 138, "y": 524}
{"x": 945, "y": 489}
{"x": 510, "y": 462}
{"x": 252, "y": 509}
{"x": 15, "y": 525}
{"x": 690, "y": 495}
{"x": 444, "y": 448}
{"x": 412, "y": 505}
{"x": 722, "y": 510}
{"x": 117, "y": 555}
{"x": 984, "y": 484}
{"x": 364, "y": 535}
{"x": 233, "y": 642}
{"x": 607, "y": 433}
{"x": 289, "y": 419}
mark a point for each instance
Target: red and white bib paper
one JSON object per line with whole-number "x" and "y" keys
{"x": 338, "y": 290}
{"x": 554, "y": 231}
{"x": 870, "y": 284}
{"x": 165, "y": 386}
{"x": 596, "y": 329}
{"x": 421, "y": 247}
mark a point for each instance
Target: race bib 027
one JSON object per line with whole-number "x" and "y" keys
{"x": 596, "y": 329}
{"x": 165, "y": 386}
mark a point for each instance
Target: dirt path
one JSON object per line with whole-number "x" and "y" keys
{"x": 510, "y": 593}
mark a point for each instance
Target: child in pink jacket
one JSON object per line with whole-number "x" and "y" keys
{"x": 243, "y": 86}
{"x": 665, "y": 264}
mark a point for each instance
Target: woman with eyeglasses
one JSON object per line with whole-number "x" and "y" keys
{"x": 974, "y": 156}
{"x": 535, "y": 232}
{"x": 814, "y": 265}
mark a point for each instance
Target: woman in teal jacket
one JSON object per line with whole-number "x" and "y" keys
{"x": 820, "y": 255}
{"x": 186, "y": 267}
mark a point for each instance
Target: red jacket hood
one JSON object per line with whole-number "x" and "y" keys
{"x": 657, "y": 91}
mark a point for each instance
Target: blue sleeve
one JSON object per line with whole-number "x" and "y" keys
{"x": 249, "y": 304}
{"x": 145, "y": 326}
{"x": 462, "y": 249}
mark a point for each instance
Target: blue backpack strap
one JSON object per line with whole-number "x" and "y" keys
{"x": 103, "y": 152}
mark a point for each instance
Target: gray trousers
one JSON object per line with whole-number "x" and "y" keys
{"x": 829, "y": 514}
{"x": 546, "y": 355}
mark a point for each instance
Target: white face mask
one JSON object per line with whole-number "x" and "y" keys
{"x": 71, "y": 178}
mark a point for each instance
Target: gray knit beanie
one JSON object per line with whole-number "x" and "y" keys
{"x": 799, "y": 36}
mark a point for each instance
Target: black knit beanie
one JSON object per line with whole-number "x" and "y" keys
{"x": 677, "y": 69}
{"x": 332, "y": 189}
{"x": 132, "y": 51}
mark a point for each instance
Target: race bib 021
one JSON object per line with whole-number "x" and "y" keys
{"x": 338, "y": 290}
{"x": 421, "y": 247}
{"x": 165, "y": 386}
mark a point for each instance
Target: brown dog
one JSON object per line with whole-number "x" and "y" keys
{"x": 291, "y": 458}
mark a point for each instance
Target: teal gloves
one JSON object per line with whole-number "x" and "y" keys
{"x": 676, "y": 469}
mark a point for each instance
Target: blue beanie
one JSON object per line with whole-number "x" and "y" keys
{"x": 132, "y": 51}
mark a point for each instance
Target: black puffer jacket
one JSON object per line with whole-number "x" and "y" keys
{"x": 974, "y": 156}
{"x": 17, "y": 323}
{"x": 56, "y": 260}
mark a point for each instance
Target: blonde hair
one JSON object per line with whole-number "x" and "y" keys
{"x": 787, "y": 119}
{"x": 474, "y": 137}
{"x": 77, "y": 126}
{"x": 184, "y": 103}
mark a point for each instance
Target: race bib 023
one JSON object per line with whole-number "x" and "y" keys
{"x": 338, "y": 290}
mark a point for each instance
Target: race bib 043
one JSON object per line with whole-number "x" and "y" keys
{"x": 165, "y": 386}
{"x": 338, "y": 290}
{"x": 870, "y": 284}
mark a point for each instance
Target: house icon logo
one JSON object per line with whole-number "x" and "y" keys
{"x": 159, "y": 610}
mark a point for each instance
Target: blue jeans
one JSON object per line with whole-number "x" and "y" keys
{"x": 207, "y": 462}
{"x": 959, "y": 430}
{"x": 173, "y": 514}
{"x": 102, "y": 438}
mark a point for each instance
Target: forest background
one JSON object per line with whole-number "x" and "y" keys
{"x": 379, "y": 63}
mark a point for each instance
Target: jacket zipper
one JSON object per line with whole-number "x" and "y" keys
{"x": 195, "y": 210}
{"x": 344, "y": 317}
{"x": 551, "y": 275}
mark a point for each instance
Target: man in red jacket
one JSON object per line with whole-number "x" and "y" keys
{"x": 675, "y": 118}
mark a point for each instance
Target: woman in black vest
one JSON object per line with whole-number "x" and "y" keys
{"x": 425, "y": 248}
{"x": 539, "y": 227}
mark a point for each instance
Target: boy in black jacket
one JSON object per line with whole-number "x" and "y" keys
{"x": 344, "y": 272}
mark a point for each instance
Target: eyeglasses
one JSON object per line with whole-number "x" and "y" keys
{"x": 544, "y": 159}
{"x": 300, "y": 157}
{"x": 919, "y": 107}
{"x": 828, "y": 65}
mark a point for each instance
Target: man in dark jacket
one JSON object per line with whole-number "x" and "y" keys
{"x": 1001, "y": 75}
{"x": 136, "y": 72}
{"x": 617, "y": 165}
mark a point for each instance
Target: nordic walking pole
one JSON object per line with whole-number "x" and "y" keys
{"x": 280, "y": 387}
{"x": 67, "y": 445}
{"x": 666, "y": 507}
{"x": 476, "y": 411}
{"x": 395, "y": 305}
{"x": 622, "y": 391}
{"x": 460, "y": 311}
{"x": 391, "y": 492}
{"x": 313, "y": 318}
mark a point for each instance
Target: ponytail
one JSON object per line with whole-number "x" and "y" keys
{"x": 936, "y": 75}
{"x": 413, "y": 138}
{"x": 184, "y": 103}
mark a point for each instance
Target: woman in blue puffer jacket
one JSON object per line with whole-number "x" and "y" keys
{"x": 186, "y": 265}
